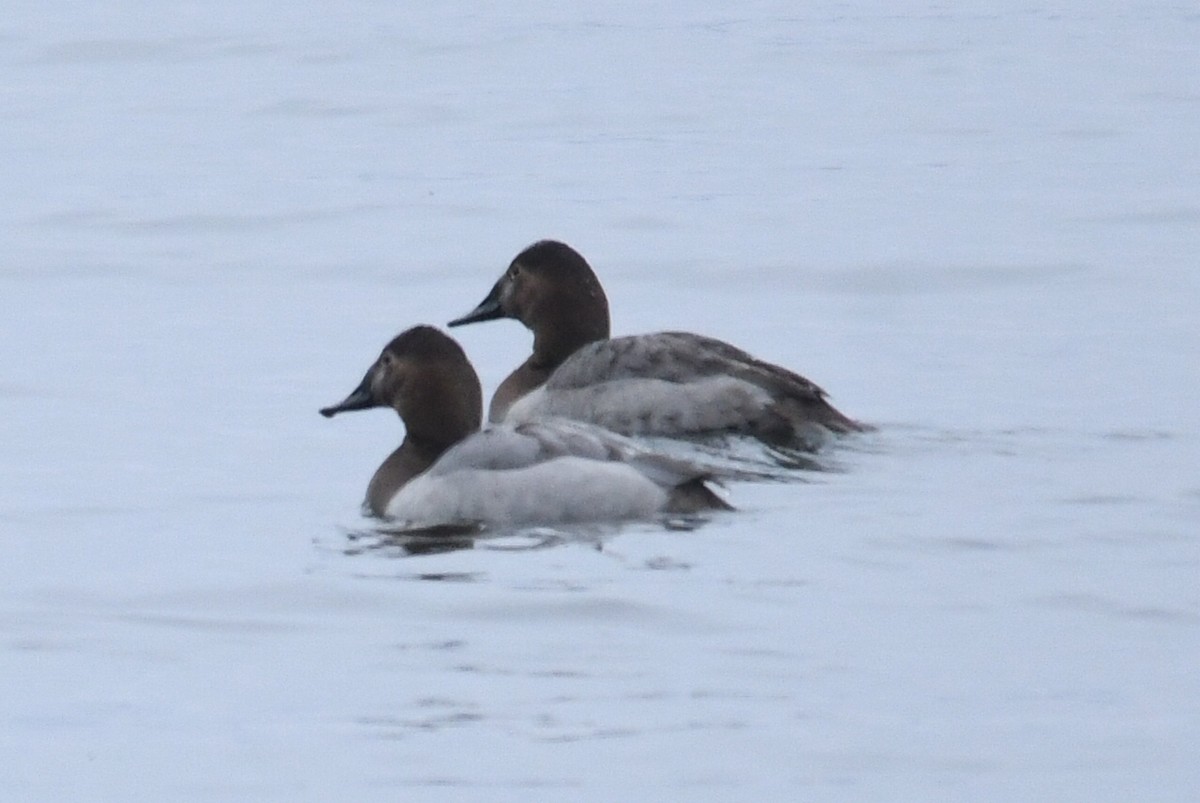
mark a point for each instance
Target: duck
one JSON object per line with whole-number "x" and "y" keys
{"x": 669, "y": 384}
{"x": 450, "y": 471}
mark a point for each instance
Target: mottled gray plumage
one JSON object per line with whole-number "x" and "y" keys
{"x": 674, "y": 384}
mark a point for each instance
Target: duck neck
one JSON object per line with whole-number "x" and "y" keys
{"x": 556, "y": 339}
{"x": 437, "y": 415}
{"x": 412, "y": 457}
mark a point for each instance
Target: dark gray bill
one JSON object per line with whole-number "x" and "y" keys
{"x": 361, "y": 398}
{"x": 488, "y": 310}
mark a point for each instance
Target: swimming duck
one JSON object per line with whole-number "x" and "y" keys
{"x": 448, "y": 471}
{"x": 674, "y": 384}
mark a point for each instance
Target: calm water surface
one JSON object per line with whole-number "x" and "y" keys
{"x": 978, "y": 230}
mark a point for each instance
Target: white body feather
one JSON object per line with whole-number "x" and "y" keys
{"x": 546, "y": 471}
{"x": 648, "y": 406}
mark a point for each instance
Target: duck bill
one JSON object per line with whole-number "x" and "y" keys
{"x": 488, "y": 310}
{"x": 361, "y": 398}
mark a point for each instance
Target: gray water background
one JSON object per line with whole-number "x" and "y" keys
{"x": 977, "y": 225}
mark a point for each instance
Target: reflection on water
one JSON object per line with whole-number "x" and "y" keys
{"x": 401, "y": 543}
{"x": 389, "y": 540}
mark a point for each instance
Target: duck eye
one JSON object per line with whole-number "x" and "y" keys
{"x": 513, "y": 270}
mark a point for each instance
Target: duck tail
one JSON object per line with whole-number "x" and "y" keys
{"x": 796, "y": 417}
{"x": 694, "y": 496}
{"x": 835, "y": 420}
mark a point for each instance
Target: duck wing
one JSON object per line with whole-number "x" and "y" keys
{"x": 680, "y": 384}
{"x": 528, "y": 443}
{"x": 678, "y": 357}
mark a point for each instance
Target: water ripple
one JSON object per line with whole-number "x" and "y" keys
{"x": 1092, "y": 603}
{"x": 153, "y": 51}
